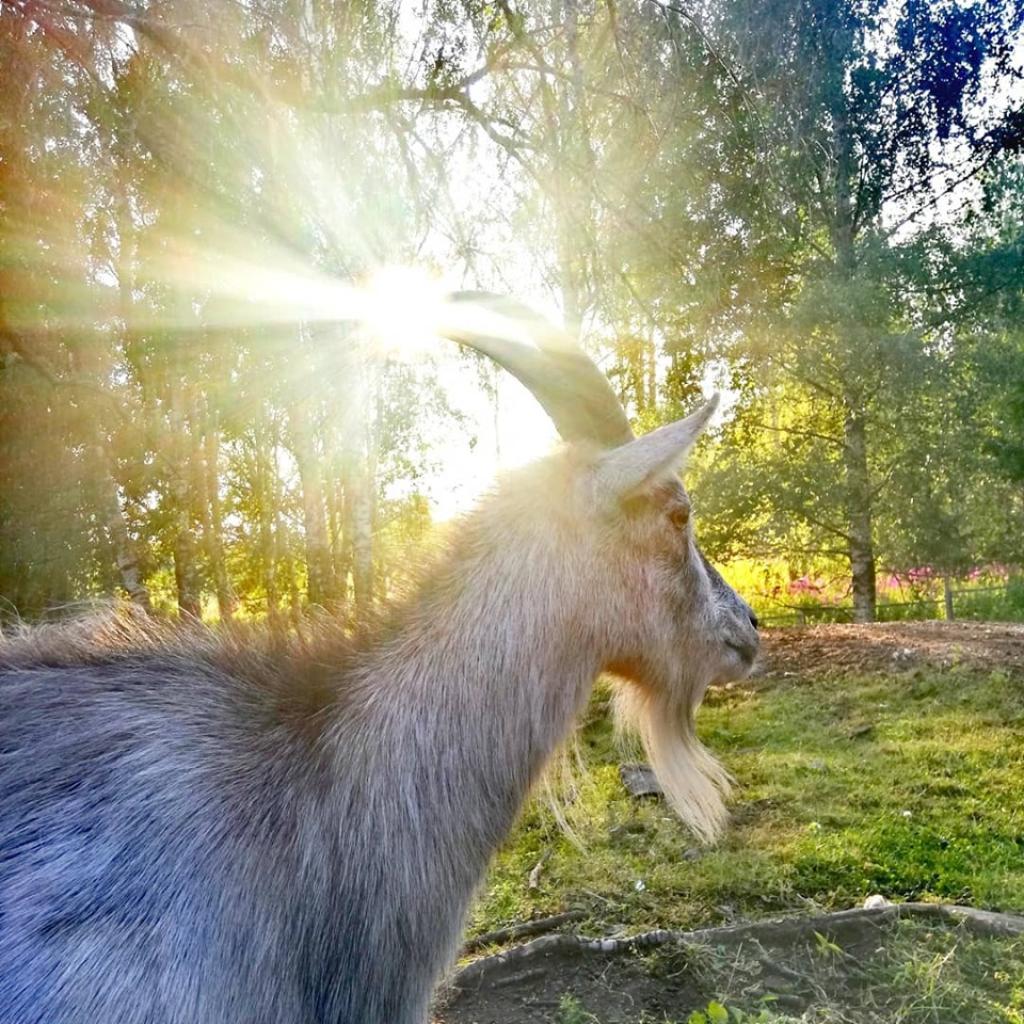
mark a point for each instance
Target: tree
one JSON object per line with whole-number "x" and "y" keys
{"x": 868, "y": 117}
{"x": 694, "y": 186}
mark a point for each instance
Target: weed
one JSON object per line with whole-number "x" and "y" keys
{"x": 570, "y": 1011}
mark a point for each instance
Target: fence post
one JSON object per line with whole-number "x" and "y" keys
{"x": 947, "y": 594}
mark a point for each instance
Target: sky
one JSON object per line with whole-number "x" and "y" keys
{"x": 472, "y": 456}
{"x": 497, "y": 429}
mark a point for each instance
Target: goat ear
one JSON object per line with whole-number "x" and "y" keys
{"x": 633, "y": 466}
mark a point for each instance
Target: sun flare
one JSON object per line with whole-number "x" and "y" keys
{"x": 402, "y": 308}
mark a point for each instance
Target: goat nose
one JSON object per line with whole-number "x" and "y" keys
{"x": 752, "y": 617}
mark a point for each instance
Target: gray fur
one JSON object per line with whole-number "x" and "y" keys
{"x": 196, "y": 830}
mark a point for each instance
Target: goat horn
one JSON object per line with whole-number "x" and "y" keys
{"x": 557, "y": 372}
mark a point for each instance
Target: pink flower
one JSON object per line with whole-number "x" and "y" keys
{"x": 805, "y": 585}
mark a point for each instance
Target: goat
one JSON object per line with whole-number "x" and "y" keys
{"x": 193, "y": 832}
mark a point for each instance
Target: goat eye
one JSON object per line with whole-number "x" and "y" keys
{"x": 679, "y": 517}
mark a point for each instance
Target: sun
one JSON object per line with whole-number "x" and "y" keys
{"x": 402, "y": 309}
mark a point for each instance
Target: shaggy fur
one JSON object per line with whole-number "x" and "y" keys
{"x": 204, "y": 830}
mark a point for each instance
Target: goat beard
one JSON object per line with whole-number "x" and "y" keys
{"x": 694, "y": 783}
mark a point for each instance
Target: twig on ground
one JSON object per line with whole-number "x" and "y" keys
{"x": 521, "y": 930}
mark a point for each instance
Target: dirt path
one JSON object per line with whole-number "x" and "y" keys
{"x": 892, "y": 646}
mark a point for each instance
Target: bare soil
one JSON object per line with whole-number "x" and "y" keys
{"x": 792, "y": 964}
{"x": 892, "y": 646}
{"x": 618, "y": 989}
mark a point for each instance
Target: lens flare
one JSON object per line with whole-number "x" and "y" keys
{"x": 402, "y": 308}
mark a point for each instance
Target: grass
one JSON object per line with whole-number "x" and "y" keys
{"x": 921, "y": 975}
{"x": 905, "y": 785}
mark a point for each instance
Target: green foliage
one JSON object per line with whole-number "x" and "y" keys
{"x": 856, "y": 433}
{"x": 174, "y": 410}
{"x": 717, "y": 1013}
{"x": 570, "y": 1011}
{"x": 707, "y": 196}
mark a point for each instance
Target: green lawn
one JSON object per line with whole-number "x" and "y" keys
{"x": 909, "y": 785}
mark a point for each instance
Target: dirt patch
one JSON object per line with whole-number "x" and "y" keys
{"x": 617, "y": 989}
{"x": 893, "y": 646}
{"x": 852, "y": 962}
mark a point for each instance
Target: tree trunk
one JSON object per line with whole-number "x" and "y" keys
{"x": 125, "y": 262}
{"x": 338, "y": 519}
{"x": 651, "y": 368}
{"x": 569, "y": 158}
{"x": 362, "y": 499}
{"x": 362, "y": 545}
{"x": 947, "y": 597}
{"x": 861, "y": 541}
{"x": 265, "y": 513}
{"x": 855, "y": 449}
{"x": 213, "y": 521}
{"x": 186, "y": 579}
{"x": 125, "y": 553}
{"x": 284, "y": 554}
{"x": 186, "y": 569}
{"x": 360, "y": 486}
{"x": 321, "y": 584}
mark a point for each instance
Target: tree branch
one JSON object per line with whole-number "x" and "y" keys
{"x": 828, "y": 438}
